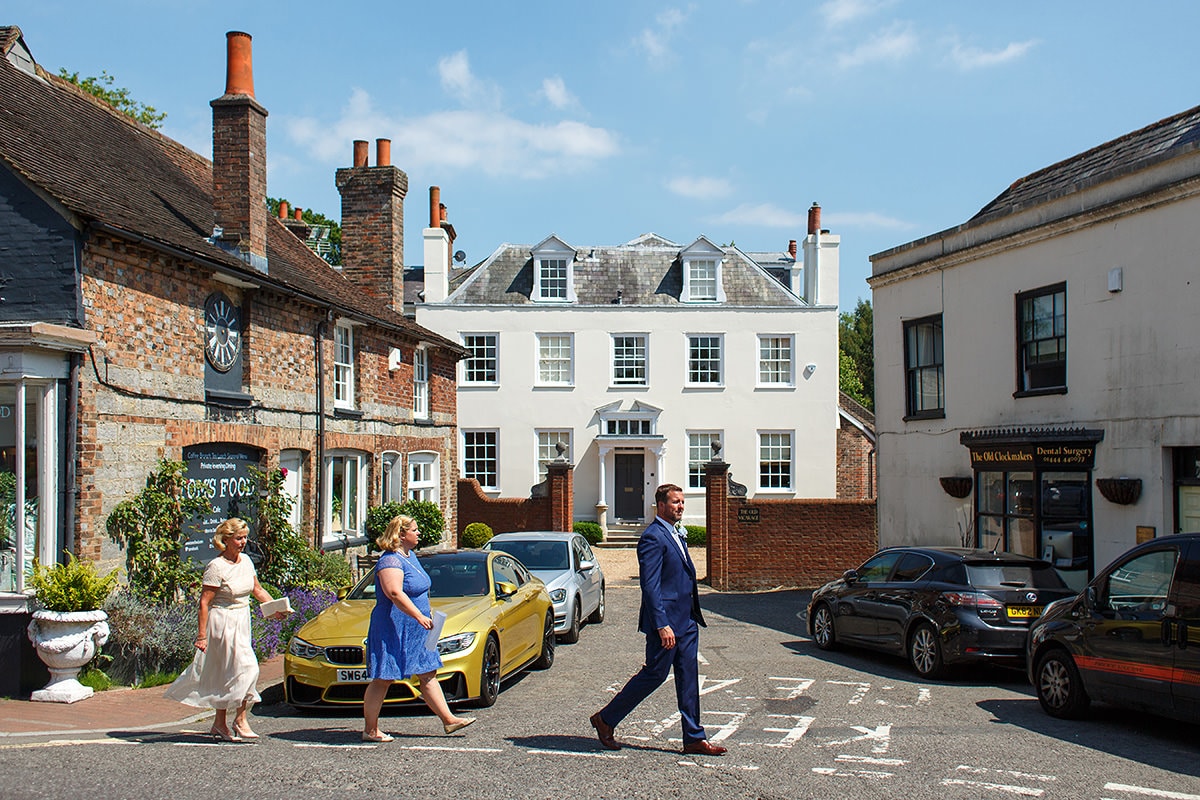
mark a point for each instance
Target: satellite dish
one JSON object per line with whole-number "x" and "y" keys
{"x": 459, "y": 256}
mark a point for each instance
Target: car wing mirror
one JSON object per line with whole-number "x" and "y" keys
{"x": 342, "y": 592}
{"x": 505, "y": 590}
{"x": 584, "y": 566}
{"x": 850, "y": 576}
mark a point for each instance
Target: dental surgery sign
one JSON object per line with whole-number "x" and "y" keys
{"x": 1039, "y": 455}
{"x": 219, "y": 473}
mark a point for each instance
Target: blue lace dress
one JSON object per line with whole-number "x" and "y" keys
{"x": 395, "y": 641}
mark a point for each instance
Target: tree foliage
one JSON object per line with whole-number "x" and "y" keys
{"x": 117, "y": 97}
{"x": 856, "y": 343}
{"x": 334, "y": 256}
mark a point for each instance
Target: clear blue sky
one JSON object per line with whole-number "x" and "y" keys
{"x": 602, "y": 121}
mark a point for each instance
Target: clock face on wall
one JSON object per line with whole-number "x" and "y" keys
{"x": 222, "y": 332}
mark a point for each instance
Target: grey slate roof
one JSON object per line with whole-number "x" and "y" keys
{"x": 108, "y": 169}
{"x": 646, "y": 272}
{"x": 1167, "y": 138}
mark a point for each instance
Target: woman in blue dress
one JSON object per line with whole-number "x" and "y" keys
{"x": 399, "y": 624}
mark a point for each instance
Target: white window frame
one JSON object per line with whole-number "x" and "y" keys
{"x": 688, "y": 377}
{"x": 545, "y": 445}
{"x": 644, "y": 366}
{"x": 350, "y": 521}
{"x": 775, "y": 440}
{"x": 293, "y": 484}
{"x": 421, "y": 383}
{"x": 391, "y": 477}
{"x": 555, "y": 362}
{"x": 42, "y": 423}
{"x": 700, "y": 453}
{"x": 702, "y": 263}
{"x": 491, "y": 475}
{"x": 343, "y": 366}
{"x": 488, "y": 361}
{"x": 784, "y": 378}
{"x": 423, "y": 476}
{"x": 552, "y": 251}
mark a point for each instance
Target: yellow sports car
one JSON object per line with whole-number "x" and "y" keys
{"x": 499, "y": 620}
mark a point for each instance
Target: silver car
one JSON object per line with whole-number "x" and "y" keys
{"x": 566, "y": 564}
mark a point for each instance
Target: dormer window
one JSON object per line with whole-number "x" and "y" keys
{"x": 702, "y": 272}
{"x": 553, "y": 272}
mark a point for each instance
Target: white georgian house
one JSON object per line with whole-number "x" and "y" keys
{"x": 637, "y": 358}
{"x": 1044, "y": 357}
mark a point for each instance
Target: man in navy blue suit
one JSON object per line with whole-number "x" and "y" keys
{"x": 670, "y": 618}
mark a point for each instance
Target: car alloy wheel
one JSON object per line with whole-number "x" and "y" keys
{"x": 546, "y": 659}
{"x": 925, "y": 651}
{"x": 489, "y": 675}
{"x": 1059, "y": 687}
{"x": 824, "y": 633}
{"x": 597, "y": 616}
{"x": 571, "y": 634}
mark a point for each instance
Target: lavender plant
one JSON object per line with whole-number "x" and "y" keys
{"x": 271, "y": 636}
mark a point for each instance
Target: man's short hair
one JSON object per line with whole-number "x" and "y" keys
{"x": 660, "y": 494}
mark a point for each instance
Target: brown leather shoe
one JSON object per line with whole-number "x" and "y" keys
{"x": 604, "y": 732}
{"x": 703, "y": 748}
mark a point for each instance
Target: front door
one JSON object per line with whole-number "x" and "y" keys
{"x": 629, "y": 480}
{"x": 1189, "y": 509}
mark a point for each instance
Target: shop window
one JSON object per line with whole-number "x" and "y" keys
{"x": 1005, "y": 518}
{"x": 28, "y": 482}
{"x": 346, "y": 502}
{"x": 924, "y": 370}
{"x": 1042, "y": 339}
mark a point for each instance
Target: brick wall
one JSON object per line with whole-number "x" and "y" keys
{"x": 553, "y": 511}
{"x": 142, "y": 393}
{"x": 766, "y": 544}
{"x": 855, "y": 464}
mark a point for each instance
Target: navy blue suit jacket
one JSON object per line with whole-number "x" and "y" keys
{"x": 668, "y": 580}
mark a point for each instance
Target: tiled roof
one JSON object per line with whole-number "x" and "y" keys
{"x": 645, "y": 272}
{"x": 106, "y": 168}
{"x": 1164, "y": 139}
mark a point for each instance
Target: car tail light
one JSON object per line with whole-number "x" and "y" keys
{"x": 985, "y": 605}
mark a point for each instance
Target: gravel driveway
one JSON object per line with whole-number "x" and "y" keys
{"x": 621, "y": 568}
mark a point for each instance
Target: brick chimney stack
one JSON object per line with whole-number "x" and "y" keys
{"x": 373, "y": 223}
{"x": 240, "y": 158}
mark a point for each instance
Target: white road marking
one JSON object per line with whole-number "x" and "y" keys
{"x": 880, "y": 762}
{"x": 346, "y": 746}
{"x": 722, "y": 766}
{"x": 881, "y": 736}
{"x": 858, "y": 773}
{"x": 1009, "y": 772}
{"x": 700, "y": 659}
{"x": 64, "y": 742}
{"x": 575, "y": 753}
{"x": 1148, "y": 792}
{"x": 715, "y": 684}
{"x": 792, "y": 734}
{"x": 449, "y": 749}
{"x": 1024, "y": 791}
{"x": 802, "y": 686}
{"x": 860, "y": 690}
{"x": 736, "y": 718}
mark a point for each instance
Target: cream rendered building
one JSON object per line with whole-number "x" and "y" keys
{"x": 636, "y": 358}
{"x": 1044, "y": 357}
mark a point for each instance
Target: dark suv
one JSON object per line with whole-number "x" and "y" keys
{"x": 936, "y": 605}
{"x": 1131, "y": 638}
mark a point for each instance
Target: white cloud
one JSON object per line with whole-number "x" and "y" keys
{"x": 656, "y": 40}
{"x": 863, "y": 220}
{"x": 487, "y": 141}
{"x": 555, "y": 92}
{"x": 456, "y": 77}
{"x": 839, "y": 12}
{"x": 894, "y": 44}
{"x": 764, "y": 215}
{"x": 699, "y": 188}
{"x": 974, "y": 58}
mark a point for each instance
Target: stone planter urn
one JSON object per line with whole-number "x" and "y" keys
{"x": 66, "y": 641}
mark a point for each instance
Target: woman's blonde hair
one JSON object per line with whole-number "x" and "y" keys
{"x": 390, "y": 538}
{"x": 230, "y": 527}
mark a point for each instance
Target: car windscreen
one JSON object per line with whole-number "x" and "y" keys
{"x": 450, "y": 577}
{"x": 994, "y": 575}
{"x": 535, "y": 554}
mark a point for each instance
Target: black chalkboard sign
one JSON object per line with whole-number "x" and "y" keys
{"x": 220, "y": 473}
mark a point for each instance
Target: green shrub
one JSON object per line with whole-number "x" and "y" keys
{"x": 73, "y": 586}
{"x": 153, "y": 679}
{"x": 590, "y": 531}
{"x": 430, "y": 521}
{"x": 697, "y": 535}
{"x": 475, "y": 535}
{"x": 146, "y": 637}
{"x": 326, "y": 571}
{"x": 96, "y": 678}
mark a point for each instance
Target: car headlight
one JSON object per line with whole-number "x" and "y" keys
{"x": 558, "y": 595}
{"x": 456, "y": 643}
{"x": 303, "y": 649}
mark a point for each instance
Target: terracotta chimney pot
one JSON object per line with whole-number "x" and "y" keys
{"x": 442, "y": 211}
{"x": 283, "y": 209}
{"x": 435, "y": 203}
{"x": 299, "y": 213}
{"x": 239, "y": 67}
{"x": 814, "y": 219}
{"x": 383, "y": 152}
{"x": 360, "y": 152}
{"x": 792, "y": 248}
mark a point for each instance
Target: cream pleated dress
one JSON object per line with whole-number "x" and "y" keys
{"x": 224, "y": 675}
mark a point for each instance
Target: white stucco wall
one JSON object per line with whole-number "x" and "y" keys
{"x": 1133, "y": 359}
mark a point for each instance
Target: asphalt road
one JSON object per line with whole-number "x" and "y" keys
{"x": 798, "y": 724}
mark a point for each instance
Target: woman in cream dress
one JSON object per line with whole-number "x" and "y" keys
{"x": 224, "y": 673}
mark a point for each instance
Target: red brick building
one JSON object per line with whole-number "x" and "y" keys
{"x": 151, "y": 307}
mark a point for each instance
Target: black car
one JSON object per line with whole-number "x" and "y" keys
{"x": 1131, "y": 638}
{"x": 936, "y": 605}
